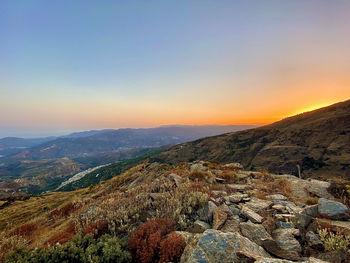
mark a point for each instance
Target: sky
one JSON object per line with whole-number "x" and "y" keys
{"x": 79, "y": 65}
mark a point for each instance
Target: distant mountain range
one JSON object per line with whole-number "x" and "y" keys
{"x": 90, "y": 143}
{"x": 317, "y": 141}
{"x": 41, "y": 164}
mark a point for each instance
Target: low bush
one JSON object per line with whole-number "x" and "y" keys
{"x": 228, "y": 176}
{"x": 106, "y": 249}
{"x": 97, "y": 228}
{"x": 144, "y": 243}
{"x": 8, "y": 244}
{"x": 198, "y": 176}
{"x": 333, "y": 241}
{"x": 61, "y": 237}
{"x": 25, "y": 230}
{"x": 171, "y": 248}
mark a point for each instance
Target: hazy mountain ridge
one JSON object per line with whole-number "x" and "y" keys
{"x": 318, "y": 141}
{"x": 97, "y": 142}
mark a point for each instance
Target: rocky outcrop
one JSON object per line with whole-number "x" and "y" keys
{"x": 215, "y": 246}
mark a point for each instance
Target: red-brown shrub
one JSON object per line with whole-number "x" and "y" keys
{"x": 25, "y": 230}
{"x": 171, "y": 248}
{"x": 144, "y": 244}
{"x": 97, "y": 228}
{"x": 64, "y": 211}
{"x": 61, "y": 237}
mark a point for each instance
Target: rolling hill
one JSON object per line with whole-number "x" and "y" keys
{"x": 317, "y": 141}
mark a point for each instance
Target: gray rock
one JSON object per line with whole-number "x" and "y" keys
{"x": 220, "y": 216}
{"x": 177, "y": 179}
{"x": 332, "y": 209}
{"x": 303, "y": 220}
{"x": 254, "y": 232}
{"x": 251, "y": 215}
{"x": 237, "y": 197}
{"x": 283, "y": 245}
{"x": 318, "y": 188}
{"x": 199, "y": 227}
{"x": 215, "y": 246}
{"x": 311, "y": 210}
{"x": 285, "y": 203}
{"x": 338, "y": 256}
{"x": 207, "y": 212}
{"x": 276, "y": 197}
{"x": 280, "y": 208}
{"x": 284, "y": 225}
{"x": 258, "y": 205}
{"x": 313, "y": 240}
{"x": 285, "y": 217}
{"x": 231, "y": 225}
{"x": 235, "y": 210}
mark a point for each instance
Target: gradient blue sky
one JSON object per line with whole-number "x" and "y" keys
{"x": 76, "y": 65}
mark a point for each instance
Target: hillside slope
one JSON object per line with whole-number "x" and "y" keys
{"x": 318, "y": 141}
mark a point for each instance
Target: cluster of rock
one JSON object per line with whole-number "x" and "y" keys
{"x": 239, "y": 227}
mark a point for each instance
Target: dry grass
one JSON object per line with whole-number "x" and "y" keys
{"x": 229, "y": 176}
{"x": 268, "y": 185}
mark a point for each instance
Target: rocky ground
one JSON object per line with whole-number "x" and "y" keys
{"x": 241, "y": 227}
{"x": 224, "y": 213}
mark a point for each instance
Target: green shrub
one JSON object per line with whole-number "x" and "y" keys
{"x": 80, "y": 250}
{"x": 333, "y": 241}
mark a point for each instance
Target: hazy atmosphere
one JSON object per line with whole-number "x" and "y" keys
{"x": 77, "y": 65}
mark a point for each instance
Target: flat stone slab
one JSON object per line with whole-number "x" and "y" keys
{"x": 332, "y": 209}
{"x": 251, "y": 215}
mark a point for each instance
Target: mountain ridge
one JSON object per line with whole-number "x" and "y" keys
{"x": 317, "y": 141}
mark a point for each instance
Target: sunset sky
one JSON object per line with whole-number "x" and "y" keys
{"x": 79, "y": 65}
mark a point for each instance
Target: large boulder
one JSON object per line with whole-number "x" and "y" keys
{"x": 332, "y": 209}
{"x": 254, "y": 232}
{"x": 215, "y": 246}
{"x": 283, "y": 244}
